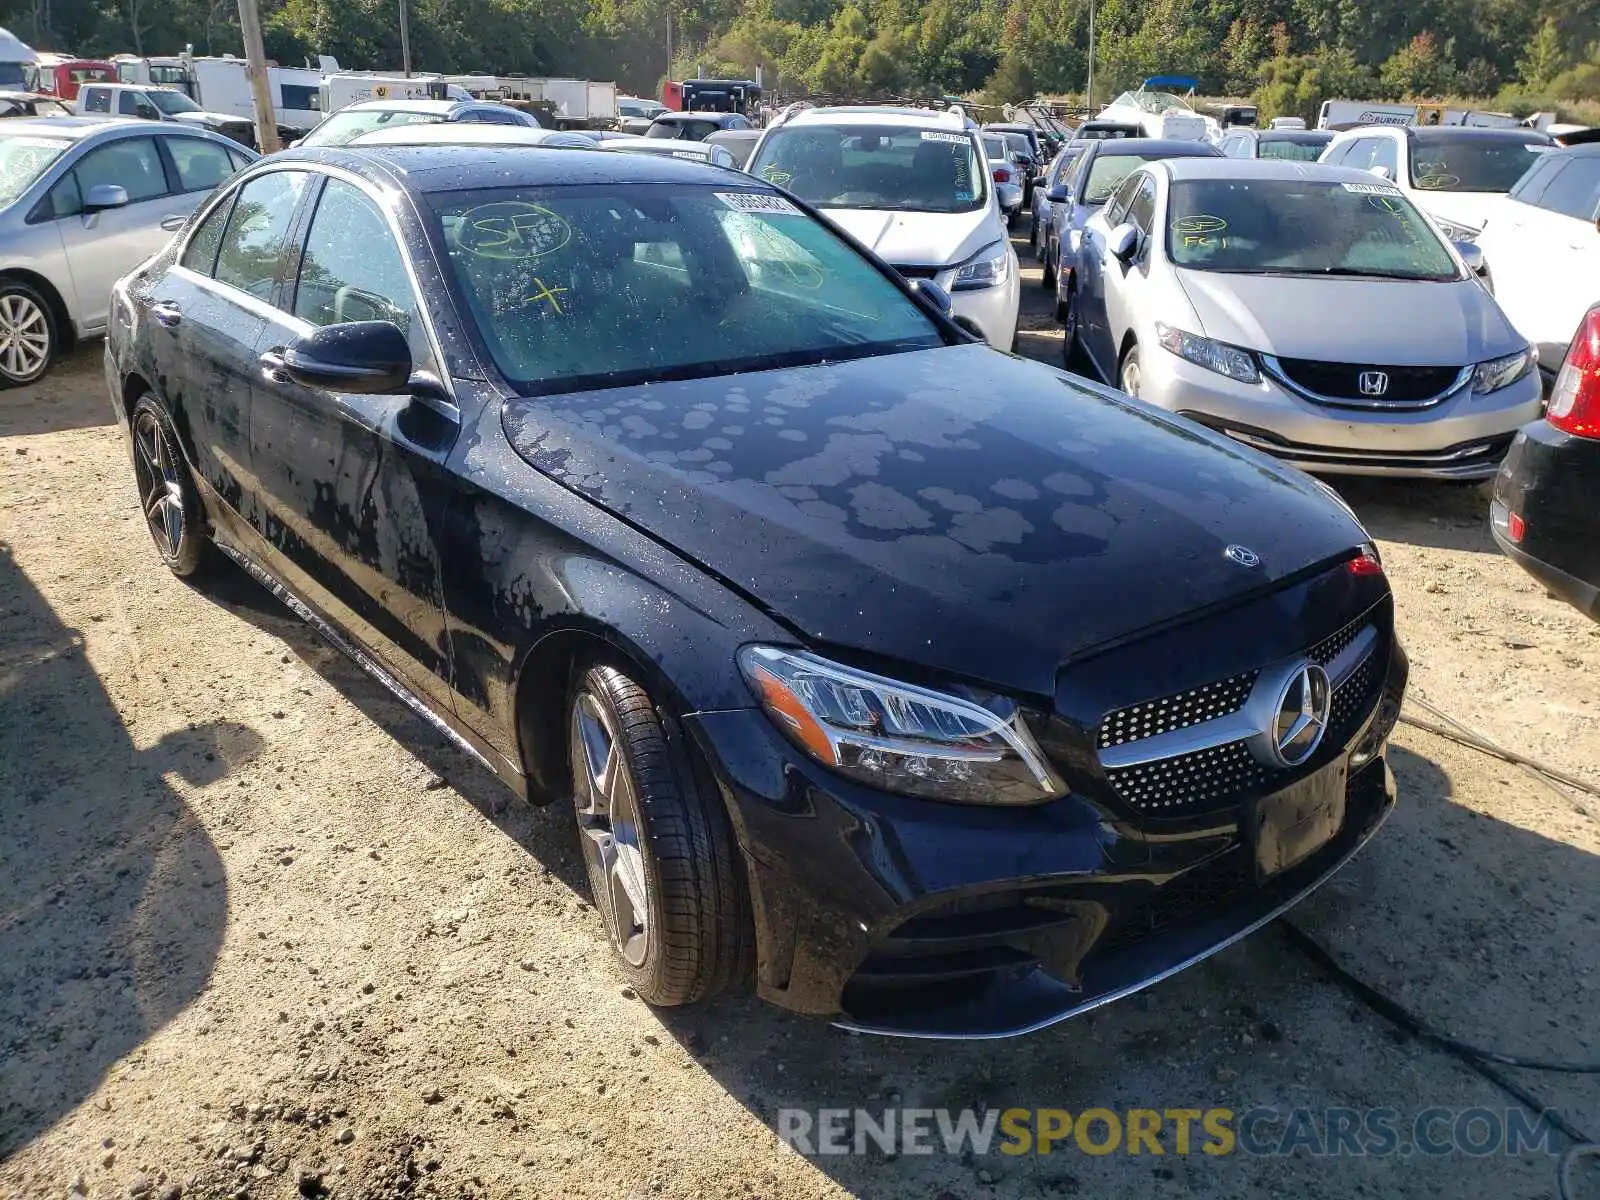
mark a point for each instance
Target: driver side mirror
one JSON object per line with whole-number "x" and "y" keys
{"x": 105, "y": 195}
{"x": 931, "y": 293}
{"x": 1123, "y": 243}
{"x": 1471, "y": 254}
{"x": 1056, "y": 195}
{"x": 367, "y": 357}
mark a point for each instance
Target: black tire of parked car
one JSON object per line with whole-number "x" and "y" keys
{"x": 41, "y": 317}
{"x": 700, "y": 932}
{"x": 1067, "y": 316}
{"x": 1047, "y": 278}
{"x": 166, "y": 489}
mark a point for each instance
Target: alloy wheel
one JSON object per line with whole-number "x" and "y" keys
{"x": 608, "y": 824}
{"x": 160, "y": 488}
{"x": 1131, "y": 376}
{"x": 24, "y": 336}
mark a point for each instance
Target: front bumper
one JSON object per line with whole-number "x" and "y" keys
{"x": 899, "y": 916}
{"x": 1464, "y": 437}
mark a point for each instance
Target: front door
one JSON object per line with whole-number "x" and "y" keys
{"x": 352, "y": 486}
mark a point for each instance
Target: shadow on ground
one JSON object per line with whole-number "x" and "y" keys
{"x": 113, "y": 900}
{"x": 71, "y": 396}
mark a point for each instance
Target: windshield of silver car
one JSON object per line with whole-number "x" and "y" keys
{"x": 1470, "y": 162}
{"x": 909, "y": 168}
{"x": 1299, "y": 227}
{"x": 344, "y": 127}
{"x": 600, "y": 286}
{"x": 23, "y": 158}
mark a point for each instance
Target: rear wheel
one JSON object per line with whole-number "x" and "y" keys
{"x": 28, "y": 335}
{"x": 1067, "y": 314}
{"x": 1048, "y": 278}
{"x": 1130, "y": 376}
{"x": 657, "y": 844}
{"x": 167, "y": 495}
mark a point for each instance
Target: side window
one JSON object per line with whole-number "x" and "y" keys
{"x": 200, "y": 255}
{"x": 240, "y": 162}
{"x": 127, "y": 104}
{"x": 352, "y": 269}
{"x": 258, "y": 230}
{"x": 1386, "y": 154}
{"x": 1117, "y": 206}
{"x": 201, "y": 164}
{"x": 97, "y": 100}
{"x": 1576, "y": 191}
{"x": 65, "y": 200}
{"x": 1337, "y": 154}
{"x": 1531, "y": 187}
{"x": 490, "y": 117}
{"x": 1142, "y": 212}
{"x": 130, "y": 163}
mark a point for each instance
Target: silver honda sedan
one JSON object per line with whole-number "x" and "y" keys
{"x": 1309, "y": 311}
{"x": 83, "y": 201}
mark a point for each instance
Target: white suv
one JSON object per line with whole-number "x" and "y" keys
{"x": 911, "y": 185}
{"x": 1453, "y": 173}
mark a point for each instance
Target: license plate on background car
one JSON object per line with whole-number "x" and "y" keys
{"x": 1289, "y": 826}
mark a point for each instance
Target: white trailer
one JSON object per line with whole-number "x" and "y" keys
{"x": 352, "y": 87}
{"x": 1361, "y": 112}
{"x": 563, "y": 103}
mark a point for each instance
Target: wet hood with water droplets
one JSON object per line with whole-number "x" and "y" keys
{"x": 974, "y": 514}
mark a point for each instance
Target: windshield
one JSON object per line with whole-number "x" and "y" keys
{"x": 1152, "y": 102}
{"x": 1307, "y": 148}
{"x": 995, "y": 148}
{"x": 23, "y": 159}
{"x": 903, "y": 167}
{"x": 1297, "y": 227}
{"x": 1108, "y": 171}
{"x": 172, "y": 102}
{"x": 593, "y": 286}
{"x": 1019, "y": 143}
{"x": 1465, "y": 163}
{"x": 344, "y": 127}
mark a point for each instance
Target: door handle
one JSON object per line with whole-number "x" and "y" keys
{"x": 174, "y": 222}
{"x": 166, "y": 313}
{"x": 272, "y": 365}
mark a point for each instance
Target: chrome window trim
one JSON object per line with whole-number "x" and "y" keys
{"x": 1274, "y": 368}
{"x": 1250, "y": 720}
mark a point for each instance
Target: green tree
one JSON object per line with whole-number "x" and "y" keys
{"x": 1546, "y": 57}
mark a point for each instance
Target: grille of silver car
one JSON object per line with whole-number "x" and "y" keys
{"x": 1212, "y": 778}
{"x": 1175, "y": 712}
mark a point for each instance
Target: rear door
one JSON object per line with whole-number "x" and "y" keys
{"x": 1126, "y": 284}
{"x": 104, "y": 246}
{"x": 1095, "y": 266}
{"x": 352, "y": 487}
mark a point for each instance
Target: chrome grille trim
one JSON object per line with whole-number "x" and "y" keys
{"x": 1247, "y": 720}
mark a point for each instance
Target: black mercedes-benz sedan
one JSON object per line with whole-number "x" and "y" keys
{"x": 938, "y": 692}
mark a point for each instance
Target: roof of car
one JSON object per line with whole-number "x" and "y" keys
{"x": 420, "y": 106}
{"x": 701, "y": 115}
{"x": 1428, "y": 133}
{"x": 866, "y": 115}
{"x": 465, "y": 133}
{"x": 1148, "y": 146}
{"x": 1289, "y": 135}
{"x": 446, "y": 168}
{"x": 1263, "y": 168}
{"x": 74, "y": 128}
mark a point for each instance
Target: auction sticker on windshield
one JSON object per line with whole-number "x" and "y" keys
{"x": 935, "y": 135}
{"x": 1370, "y": 189}
{"x": 758, "y": 202}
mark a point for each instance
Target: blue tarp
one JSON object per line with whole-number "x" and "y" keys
{"x": 1170, "y": 83}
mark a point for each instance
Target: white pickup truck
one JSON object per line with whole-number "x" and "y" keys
{"x": 150, "y": 103}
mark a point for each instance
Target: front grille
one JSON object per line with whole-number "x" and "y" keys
{"x": 915, "y": 272}
{"x": 1342, "y": 381}
{"x": 1176, "y": 712}
{"x": 1193, "y": 896}
{"x": 1189, "y": 783}
{"x": 1353, "y": 698}
{"x": 1329, "y": 648}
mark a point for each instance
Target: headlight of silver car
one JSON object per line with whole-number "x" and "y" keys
{"x": 1456, "y": 233}
{"x": 1212, "y": 355}
{"x": 897, "y": 736}
{"x": 1497, "y": 373}
{"x": 984, "y": 269}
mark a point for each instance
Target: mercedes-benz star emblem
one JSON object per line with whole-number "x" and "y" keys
{"x": 1373, "y": 383}
{"x": 1243, "y": 555}
{"x": 1301, "y": 715}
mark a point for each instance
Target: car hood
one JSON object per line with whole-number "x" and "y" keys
{"x": 1400, "y": 323}
{"x": 206, "y": 119}
{"x": 975, "y": 514}
{"x": 1471, "y": 209}
{"x": 916, "y": 239}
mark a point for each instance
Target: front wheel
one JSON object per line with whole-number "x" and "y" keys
{"x": 28, "y": 335}
{"x": 1047, "y": 278}
{"x": 658, "y": 847}
{"x": 1067, "y": 314}
{"x": 171, "y": 503}
{"x": 1130, "y": 376}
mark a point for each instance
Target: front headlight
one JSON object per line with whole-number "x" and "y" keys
{"x": 1213, "y": 356}
{"x": 1497, "y": 373}
{"x": 1455, "y": 232}
{"x": 984, "y": 269}
{"x": 897, "y": 736}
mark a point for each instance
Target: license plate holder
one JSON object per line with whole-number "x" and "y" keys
{"x": 1289, "y": 826}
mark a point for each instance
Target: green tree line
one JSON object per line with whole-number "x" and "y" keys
{"x": 1287, "y": 54}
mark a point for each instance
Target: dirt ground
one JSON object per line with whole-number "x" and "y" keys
{"x": 263, "y": 933}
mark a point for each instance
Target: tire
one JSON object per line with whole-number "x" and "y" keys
{"x": 1033, "y": 234}
{"x": 657, "y": 844}
{"x": 1067, "y": 314}
{"x": 1047, "y": 278}
{"x": 168, "y": 497}
{"x": 1129, "y": 374}
{"x": 29, "y": 338}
